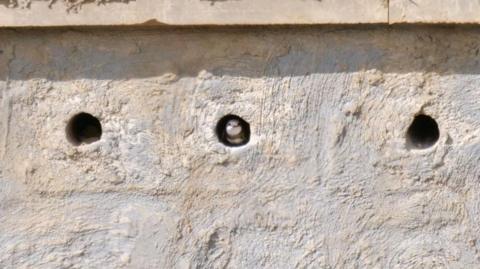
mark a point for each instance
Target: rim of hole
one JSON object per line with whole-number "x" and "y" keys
{"x": 83, "y": 128}
{"x": 220, "y": 130}
{"x": 423, "y": 132}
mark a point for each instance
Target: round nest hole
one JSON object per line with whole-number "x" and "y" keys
{"x": 423, "y": 132}
{"x": 83, "y": 128}
{"x": 233, "y": 131}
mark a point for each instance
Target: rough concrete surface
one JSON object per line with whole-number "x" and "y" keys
{"x": 14, "y": 13}
{"x": 37, "y": 13}
{"x": 434, "y": 11}
{"x": 327, "y": 179}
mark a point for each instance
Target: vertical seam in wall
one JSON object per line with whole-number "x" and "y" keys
{"x": 388, "y": 11}
{"x": 6, "y": 98}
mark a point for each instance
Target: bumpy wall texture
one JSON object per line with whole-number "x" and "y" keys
{"x": 20, "y": 13}
{"x": 327, "y": 180}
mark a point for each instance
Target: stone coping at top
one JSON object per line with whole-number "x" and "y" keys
{"x": 45, "y": 13}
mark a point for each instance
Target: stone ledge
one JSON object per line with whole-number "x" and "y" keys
{"x": 17, "y": 13}
{"x": 434, "y": 11}
{"x": 44, "y": 13}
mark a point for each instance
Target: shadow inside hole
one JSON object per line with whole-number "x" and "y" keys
{"x": 233, "y": 141}
{"x": 83, "y": 128}
{"x": 423, "y": 132}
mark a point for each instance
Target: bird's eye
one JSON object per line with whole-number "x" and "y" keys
{"x": 233, "y": 131}
{"x": 83, "y": 128}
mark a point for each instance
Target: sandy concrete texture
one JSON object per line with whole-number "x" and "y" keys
{"x": 189, "y": 12}
{"x": 37, "y": 13}
{"x": 327, "y": 179}
{"x": 434, "y": 11}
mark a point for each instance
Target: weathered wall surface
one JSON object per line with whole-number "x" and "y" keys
{"x": 434, "y": 11}
{"x": 21, "y": 13}
{"x": 326, "y": 181}
{"x": 189, "y": 12}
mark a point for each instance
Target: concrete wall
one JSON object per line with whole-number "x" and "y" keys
{"x": 21, "y": 13}
{"x": 328, "y": 178}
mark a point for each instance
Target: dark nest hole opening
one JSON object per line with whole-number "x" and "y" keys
{"x": 233, "y": 131}
{"x": 423, "y": 132}
{"x": 83, "y": 128}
